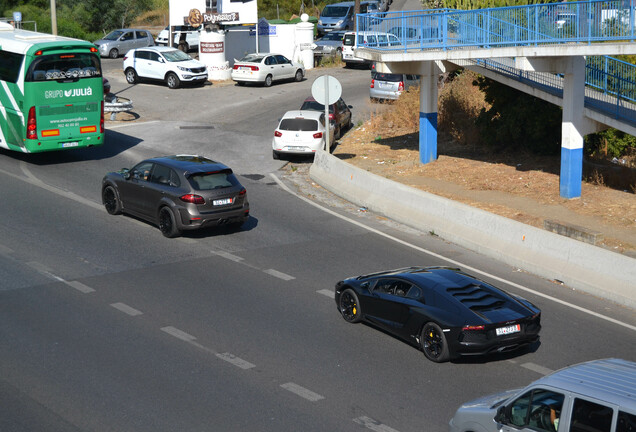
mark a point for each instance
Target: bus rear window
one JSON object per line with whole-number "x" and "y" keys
{"x": 10, "y": 64}
{"x": 68, "y": 66}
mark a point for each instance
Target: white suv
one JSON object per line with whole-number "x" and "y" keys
{"x": 163, "y": 63}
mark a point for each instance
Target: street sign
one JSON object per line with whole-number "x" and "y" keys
{"x": 326, "y": 87}
{"x": 17, "y": 16}
{"x": 326, "y": 90}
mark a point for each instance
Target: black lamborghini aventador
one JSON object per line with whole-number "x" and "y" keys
{"x": 445, "y": 311}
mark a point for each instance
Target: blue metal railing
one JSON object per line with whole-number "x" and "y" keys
{"x": 540, "y": 24}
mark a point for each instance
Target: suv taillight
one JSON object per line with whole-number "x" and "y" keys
{"x": 192, "y": 198}
{"x": 401, "y": 86}
{"x": 32, "y": 125}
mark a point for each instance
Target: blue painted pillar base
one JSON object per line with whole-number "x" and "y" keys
{"x": 428, "y": 137}
{"x": 571, "y": 172}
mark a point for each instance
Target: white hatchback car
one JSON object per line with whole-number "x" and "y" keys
{"x": 301, "y": 133}
{"x": 163, "y": 63}
{"x": 266, "y": 68}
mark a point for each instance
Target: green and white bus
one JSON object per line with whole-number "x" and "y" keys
{"x": 51, "y": 92}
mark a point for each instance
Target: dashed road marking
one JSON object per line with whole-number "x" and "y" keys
{"x": 279, "y": 275}
{"x": 228, "y": 255}
{"x": 126, "y": 309}
{"x": 328, "y": 293}
{"x": 538, "y": 369}
{"x": 79, "y": 286}
{"x": 374, "y": 425}
{"x": 302, "y": 392}
{"x": 451, "y": 261}
{"x": 173, "y": 331}
{"x": 238, "y": 362}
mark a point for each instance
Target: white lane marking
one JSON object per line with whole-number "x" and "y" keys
{"x": 227, "y": 255}
{"x": 279, "y": 275}
{"x": 131, "y": 124}
{"x": 327, "y": 293}
{"x": 79, "y": 286}
{"x": 178, "y": 333}
{"x": 302, "y": 392}
{"x": 39, "y": 183}
{"x": 236, "y": 361}
{"x": 44, "y": 270}
{"x": 374, "y": 425}
{"x": 457, "y": 263}
{"x": 126, "y": 309}
{"x": 536, "y": 368}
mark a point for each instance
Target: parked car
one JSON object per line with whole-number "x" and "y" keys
{"x": 185, "y": 38}
{"x": 336, "y": 17}
{"x": 390, "y": 85}
{"x": 329, "y": 45}
{"x": 444, "y": 311}
{"x": 339, "y": 113}
{"x": 121, "y": 41}
{"x": 367, "y": 39}
{"x": 593, "y": 396}
{"x": 266, "y": 68}
{"x": 177, "y": 193}
{"x": 170, "y": 65}
{"x": 301, "y": 133}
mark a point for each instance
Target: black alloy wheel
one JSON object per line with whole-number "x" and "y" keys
{"x": 434, "y": 343}
{"x": 111, "y": 200}
{"x": 167, "y": 224}
{"x": 349, "y": 306}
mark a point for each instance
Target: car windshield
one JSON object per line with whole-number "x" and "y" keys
{"x": 334, "y": 11}
{"x": 332, "y": 37}
{"x": 253, "y": 58}
{"x": 176, "y": 56}
{"x": 298, "y": 124}
{"x": 387, "y": 77}
{"x": 315, "y": 106}
{"x": 213, "y": 180}
{"x": 114, "y": 35}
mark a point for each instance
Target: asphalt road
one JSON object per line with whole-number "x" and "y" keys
{"x": 107, "y": 326}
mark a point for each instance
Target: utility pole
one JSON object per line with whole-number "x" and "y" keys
{"x": 356, "y": 11}
{"x": 53, "y": 18}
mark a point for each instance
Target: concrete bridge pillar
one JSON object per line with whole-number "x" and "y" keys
{"x": 428, "y": 112}
{"x": 572, "y": 128}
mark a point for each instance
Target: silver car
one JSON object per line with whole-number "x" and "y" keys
{"x": 593, "y": 396}
{"x": 330, "y": 44}
{"x": 119, "y": 42}
{"x": 390, "y": 85}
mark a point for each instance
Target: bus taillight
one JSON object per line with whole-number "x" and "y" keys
{"x": 32, "y": 127}
{"x": 101, "y": 120}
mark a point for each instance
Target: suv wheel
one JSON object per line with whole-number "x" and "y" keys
{"x": 172, "y": 80}
{"x": 131, "y": 76}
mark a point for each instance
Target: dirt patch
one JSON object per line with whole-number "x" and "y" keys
{"x": 522, "y": 187}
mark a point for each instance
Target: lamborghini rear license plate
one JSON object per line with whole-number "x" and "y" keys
{"x": 508, "y": 330}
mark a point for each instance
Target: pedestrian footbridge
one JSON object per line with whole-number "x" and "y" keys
{"x": 559, "y": 52}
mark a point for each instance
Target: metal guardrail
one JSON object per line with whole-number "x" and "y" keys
{"x": 114, "y": 104}
{"x": 549, "y": 23}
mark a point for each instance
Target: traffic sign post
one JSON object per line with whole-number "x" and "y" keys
{"x": 326, "y": 90}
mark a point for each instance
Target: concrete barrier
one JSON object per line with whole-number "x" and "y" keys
{"x": 579, "y": 265}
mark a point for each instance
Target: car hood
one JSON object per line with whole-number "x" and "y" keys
{"x": 191, "y": 64}
{"x": 102, "y": 41}
{"x": 487, "y": 402}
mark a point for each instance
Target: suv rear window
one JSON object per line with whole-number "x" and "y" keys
{"x": 213, "y": 180}
{"x": 298, "y": 124}
{"x": 349, "y": 39}
{"x": 387, "y": 77}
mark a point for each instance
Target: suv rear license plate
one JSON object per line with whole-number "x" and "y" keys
{"x": 508, "y": 330}
{"x": 224, "y": 201}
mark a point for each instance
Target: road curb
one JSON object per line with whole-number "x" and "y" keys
{"x": 579, "y": 265}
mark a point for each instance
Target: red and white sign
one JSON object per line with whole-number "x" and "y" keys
{"x": 211, "y": 47}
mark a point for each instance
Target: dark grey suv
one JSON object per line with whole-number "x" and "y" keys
{"x": 177, "y": 193}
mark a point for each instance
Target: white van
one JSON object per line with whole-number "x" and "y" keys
{"x": 364, "y": 39}
{"x": 191, "y": 38}
{"x": 596, "y": 396}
